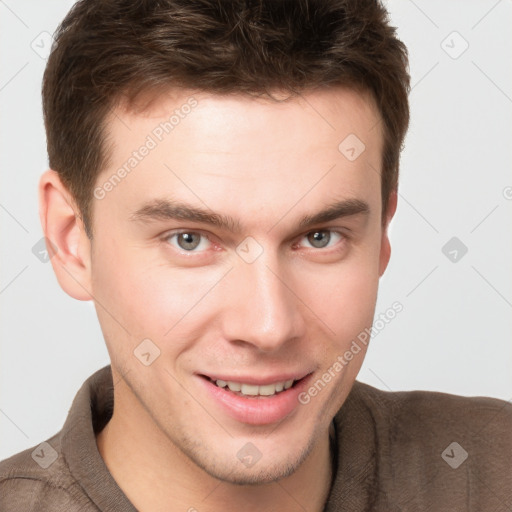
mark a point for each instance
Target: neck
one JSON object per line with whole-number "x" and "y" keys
{"x": 155, "y": 475}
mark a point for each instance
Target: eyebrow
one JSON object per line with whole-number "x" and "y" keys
{"x": 165, "y": 209}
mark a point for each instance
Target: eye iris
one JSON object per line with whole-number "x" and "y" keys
{"x": 188, "y": 240}
{"x": 319, "y": 239}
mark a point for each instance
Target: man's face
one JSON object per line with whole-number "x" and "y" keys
{"x": 265, "y": 298}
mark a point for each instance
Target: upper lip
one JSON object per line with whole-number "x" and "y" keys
{"x": 257, "y": 381}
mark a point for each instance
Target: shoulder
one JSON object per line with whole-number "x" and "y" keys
{"x": 431, "y": 413}
{"x": 39, "y": 479}
{"x": 441, "y": 409}
{"x": 437, "y": 446}
{"x": 430, "y": 416}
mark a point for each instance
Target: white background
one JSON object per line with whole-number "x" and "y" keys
{"x": 454, "y": 334}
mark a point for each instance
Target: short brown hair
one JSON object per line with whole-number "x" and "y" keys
{"x": 106, "y": 50}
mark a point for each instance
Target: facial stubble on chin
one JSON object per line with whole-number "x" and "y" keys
{"x": 197, "y": 454}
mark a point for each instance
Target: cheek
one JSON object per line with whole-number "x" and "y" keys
{"x": 344, "y": 295}
{"x": 130, "y": 298}
{"x": 144, "y": 297}
{"x": 348, "y": 308}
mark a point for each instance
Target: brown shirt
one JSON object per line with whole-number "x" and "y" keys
{"x": 393, "y": 452}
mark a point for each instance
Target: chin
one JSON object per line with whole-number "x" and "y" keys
{"x": 235, "y": 470}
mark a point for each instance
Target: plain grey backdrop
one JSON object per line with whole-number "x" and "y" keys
{"x": 451, "y": 237}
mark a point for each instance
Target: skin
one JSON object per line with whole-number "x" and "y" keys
{"x": 295, "y": 308}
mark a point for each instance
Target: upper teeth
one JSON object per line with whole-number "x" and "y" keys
{"x": 252, "y": 390}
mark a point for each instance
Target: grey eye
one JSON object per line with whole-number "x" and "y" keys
{"x": 319, "y": 239}
{"x": 188, "y": 241}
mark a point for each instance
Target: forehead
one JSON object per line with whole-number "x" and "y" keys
{"x": 322, "y": 114}
{"x": 241, "y": 152}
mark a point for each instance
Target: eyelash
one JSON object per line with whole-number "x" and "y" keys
{"x": 168, "y": 236}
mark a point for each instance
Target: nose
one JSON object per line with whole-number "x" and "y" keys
{"x": 260, "y": 307}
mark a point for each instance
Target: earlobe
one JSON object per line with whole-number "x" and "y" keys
{"x": 67, "y": 243}
{"x": 385, "y": 246}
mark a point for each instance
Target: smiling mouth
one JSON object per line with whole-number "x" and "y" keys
{"x": 255, "y": 391}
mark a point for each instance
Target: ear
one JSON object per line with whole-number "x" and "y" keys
{"x": 385, "y": 246}
{"x": 67, "y": 243}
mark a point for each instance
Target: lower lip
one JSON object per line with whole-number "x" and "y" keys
{"x": 257, "y": 410}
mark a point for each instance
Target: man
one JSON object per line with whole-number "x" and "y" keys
{"x": 222, "y": 178}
